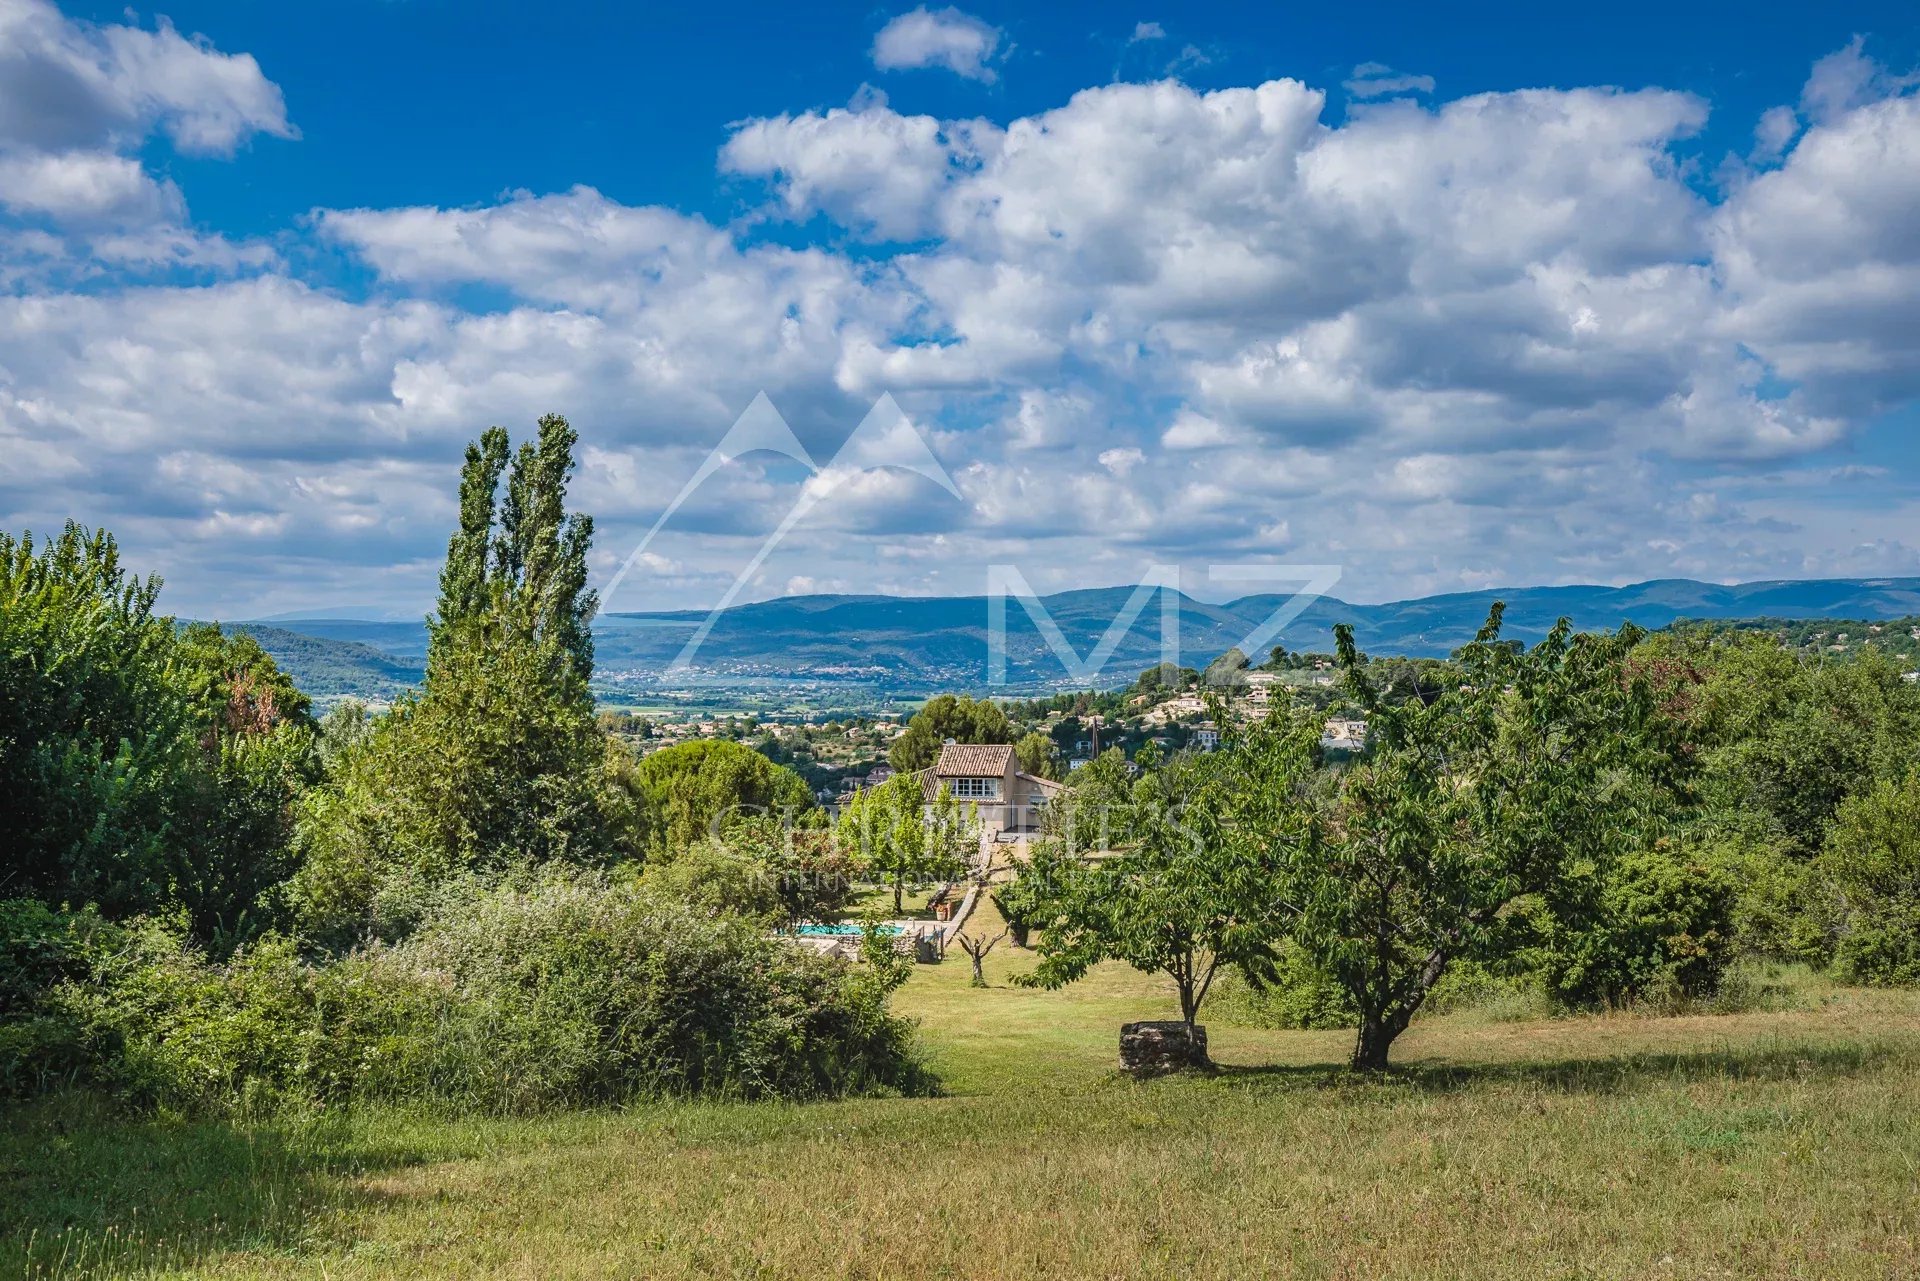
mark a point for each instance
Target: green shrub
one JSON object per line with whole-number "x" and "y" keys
{"x": 1779, "y": 908}
{"x": 41, "y": 949}
{"x": 1659, "y": 931}
{"x": 1507, "y": 994}
{"x": 573, "y": 991}
{"x": 566, "y": 991}
{"x": 760, "y": 867}
{"x": 1872, "y": 866}
{"x": 1753, "y": 985}
{"x": 165, "y": 1027}
{"x": 1300, "y": 996}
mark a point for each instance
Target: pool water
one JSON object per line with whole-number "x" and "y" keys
{"x": 840, "y": 930}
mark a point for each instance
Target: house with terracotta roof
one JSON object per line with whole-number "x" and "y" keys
{"x": 987, "y": 777}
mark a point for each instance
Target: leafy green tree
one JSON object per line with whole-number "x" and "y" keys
{"x": 1226, "y": 671}
{"x": 896, "y": 832}
{"x": 694, "y": 791}
{"x": 1096, "y": 811}
{"x": 1164, "y": 676}
{"x": 1190, "y": 895}
{"x": 950, "y": 716}
{"x": 232, "y": 846}
{"x": 345, "y": 726}
{"x": 713, "y": 876}
{"x": 1872, "y": 865}
{"x": 519, "y": 559}
{"x": 234, "y": 685}
{"x": 1035, "y": 753}
{"x": 494, "y": 766}
{"x": 1027, "y": 900}
{"x": 1783, "y": 740}
{"x": 500, "y": 760}
{"x": 810, "y": 875}
{"x": 95, "y": 739}
{"x": 145, "y": 768}
{"x": 1541, "y": 764}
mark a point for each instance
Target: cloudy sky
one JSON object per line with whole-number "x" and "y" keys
{"x": 1544, "y": 297}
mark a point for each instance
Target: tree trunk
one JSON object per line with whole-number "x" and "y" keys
{"x": 898, "y": 908}
{"x": 1381, "y": 1025}
{"x": 1377, "y": 1033}
{"x": 1190, "y": 1015}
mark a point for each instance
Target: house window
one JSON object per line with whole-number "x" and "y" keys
{"x": 975, "y": 789}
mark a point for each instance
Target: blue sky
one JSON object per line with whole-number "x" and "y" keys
{"x": 1549, "y": 294}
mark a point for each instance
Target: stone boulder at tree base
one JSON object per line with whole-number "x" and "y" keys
{"x": 1160, "y": 1046}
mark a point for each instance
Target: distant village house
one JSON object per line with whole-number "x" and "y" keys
{"x": 987, "y": 777}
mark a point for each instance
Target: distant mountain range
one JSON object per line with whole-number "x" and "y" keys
{"x": 920, "y": 644}
{"x": 332, "y": 668}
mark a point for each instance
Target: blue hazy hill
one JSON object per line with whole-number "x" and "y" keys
{"x": 912, "y": 644}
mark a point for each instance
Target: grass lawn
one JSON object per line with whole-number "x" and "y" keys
{"x": 1761, "y": 1145}
{"x": 877, "y": 900}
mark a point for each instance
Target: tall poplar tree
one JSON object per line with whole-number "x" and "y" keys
{"x": 519, "y": 560}
{"x": 499, "y": 761}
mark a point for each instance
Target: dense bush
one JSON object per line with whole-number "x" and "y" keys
{"x": 564, "y": 992}
{"x": 1509, "y": 991}
{"x": 574, "y": 992}
{"x": 163, "y": 1025}
{"x": 1782, "y": 909}
{"x": 1872, "y": 868}
{"x": 1298, "y": 995}
{"x": 40, "y": 949}
{"x": 762, "y": 868}
{"x": 1661, "y": 930}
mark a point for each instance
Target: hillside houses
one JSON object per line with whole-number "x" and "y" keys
{"x": 1344, "y": 735}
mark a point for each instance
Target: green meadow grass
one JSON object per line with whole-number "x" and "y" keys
{"x": 1752, "y": 1145}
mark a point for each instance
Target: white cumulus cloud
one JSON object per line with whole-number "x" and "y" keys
{"x": 959, "y": 42}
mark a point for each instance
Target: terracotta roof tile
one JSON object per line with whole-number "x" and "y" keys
{"x": 973, "y": 760}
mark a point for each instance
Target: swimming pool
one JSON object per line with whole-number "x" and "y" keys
{"x": 838, "y": 931}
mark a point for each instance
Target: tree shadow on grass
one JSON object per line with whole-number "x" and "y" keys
{"x": 87, "y": 1190}
{"x": 1599, "y": 1074}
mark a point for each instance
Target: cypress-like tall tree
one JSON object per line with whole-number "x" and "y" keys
{"x": 499, "y": 762}
{"x": 518, "y": 559}
{"x": 463, "y": 579}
